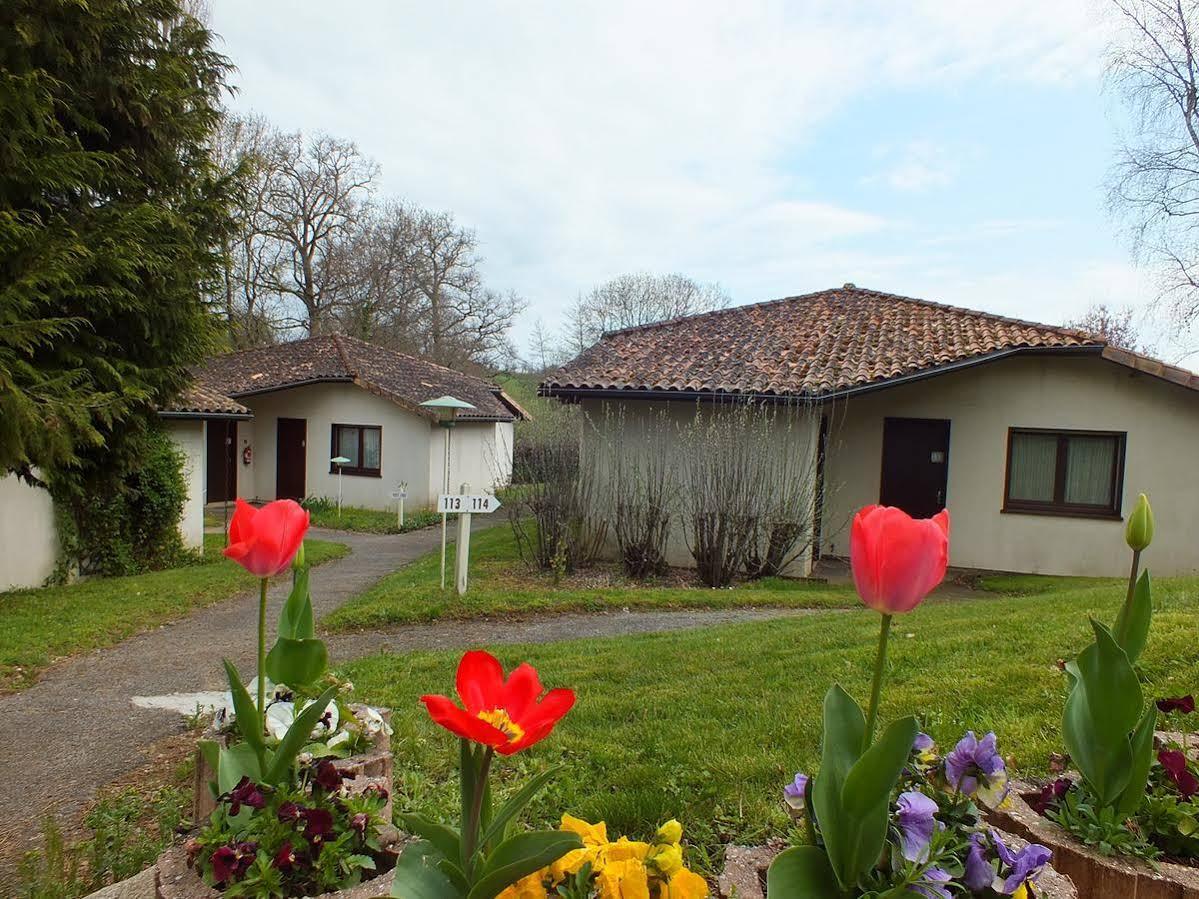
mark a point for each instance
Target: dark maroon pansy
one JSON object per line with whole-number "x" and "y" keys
{"x": 376, "y": 789}
{"x": 318, "y": 824}
{"x": 327, "y": 776}
{"x": 359, "y": 823}
{"x": 224, "y": 863}
{"x": 289, "y": 812}
{"x": 1183, "y": 704}
{"x": 1180, "y": 775}
{"x": 1050, "y": 795}
{"x": 285, "y": 858}
{"x": 245, "y": 793}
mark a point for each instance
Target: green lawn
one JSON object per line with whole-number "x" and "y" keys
{"x": 372, "y": 521}
{"x": 707, "y": 725}
{"x": 37, "y": 626}
{"x": 502, "y": 585}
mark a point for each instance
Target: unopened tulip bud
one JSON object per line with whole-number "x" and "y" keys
{"x": 1139, "y": 531}
{"x": 298, "y": 563}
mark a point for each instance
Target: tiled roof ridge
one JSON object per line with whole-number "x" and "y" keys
{"x": 338, "y": 336}
{"x": 882, "y": 294}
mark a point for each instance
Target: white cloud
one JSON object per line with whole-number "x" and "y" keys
{"x": 916, "y": 166}
{"x": 591, "y": 138}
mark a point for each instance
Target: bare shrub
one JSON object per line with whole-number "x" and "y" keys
{"x": 553, "y": 513}
{"x": 750, "y": 482}
{"x": 643, "y": 488}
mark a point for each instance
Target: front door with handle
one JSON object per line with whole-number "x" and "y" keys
{"x": 915, "y": 465}
{"x": 291, "y": 439}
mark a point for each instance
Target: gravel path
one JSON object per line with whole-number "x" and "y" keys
{"x": 76, "y": 730}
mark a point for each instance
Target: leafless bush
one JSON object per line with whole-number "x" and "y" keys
{"x": 553, "y": 513}
{"x": 643, "y": 489}
{"x": 750, "y": 483}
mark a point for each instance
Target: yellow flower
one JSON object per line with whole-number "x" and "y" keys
{"x": 531, "y": 887}
{"x": 590, "y": 834}
{"x": 686, "y": 884}
{"x": 1022, "y": 892}
{"x": 623, "y": 879}
{"x": 668, "y": 859}
{"x": 670, "y": 832}
{"x": 624, "y": 849}
{"x": 569, "y": 864}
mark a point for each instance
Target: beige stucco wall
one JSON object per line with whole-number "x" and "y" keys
{"x": 189, "y": 436}
{"x": 1085, "y": 393}
{"x": 27, "y": 534}
{"x": 411, "y": 447}
{"x": 609, "y": 427}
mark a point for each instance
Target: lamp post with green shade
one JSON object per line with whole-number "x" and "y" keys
{"x": 447, "y": 408}
{"x": 339, "y": 461}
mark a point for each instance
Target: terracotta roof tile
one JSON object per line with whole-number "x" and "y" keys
{"x": 810, "y": 345}
{"x": 200, "y": 400}
{"x": 404, "y": 379}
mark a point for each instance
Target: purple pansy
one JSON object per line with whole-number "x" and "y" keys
{"x": 914, "y": 815}
{"x": 979, "y": 872}
{"x": 930, "y": 884}
{"x": 798, "y": 788}
{"x": 973, "y": 762}
{"x": 923, "y": 742}
{"x": 1021, "y": 867}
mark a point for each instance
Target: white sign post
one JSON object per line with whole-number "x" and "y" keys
{"x": 463, "y": 505}
{"x": 400, "y": 494}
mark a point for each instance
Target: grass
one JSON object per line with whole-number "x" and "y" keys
{"x": 38, "y": 626}
{"x": 323, "y": 513}
{"x": 502, "y": 585}
{"x": 707, "y": 725}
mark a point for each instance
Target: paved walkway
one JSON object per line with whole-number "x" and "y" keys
{"x": 76, "y": 730}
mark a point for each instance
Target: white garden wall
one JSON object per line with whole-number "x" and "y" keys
{"x": 27, "y": 534}
{"x": 189, "y": 435}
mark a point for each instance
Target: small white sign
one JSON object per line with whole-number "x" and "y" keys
{"x": 399, "y": 494}
{"x": 475, "y": 503}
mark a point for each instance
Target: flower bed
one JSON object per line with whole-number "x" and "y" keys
{"x": 1095, "y": 874}
{"x": 745, "y": 867}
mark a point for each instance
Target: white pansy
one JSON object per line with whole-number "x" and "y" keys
{"x": 279, "y": 717}
{"x": 373, "y": 723}
{"x": 342, "y": 736}
{"x": 328, "y": 722}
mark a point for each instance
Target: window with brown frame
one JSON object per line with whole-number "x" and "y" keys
{"x": 362, "y": 445}
{"x": 1077, "y": 473}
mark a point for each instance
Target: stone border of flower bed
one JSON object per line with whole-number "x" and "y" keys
{"x": 376, "y": 762}
{"x": 1094, "y": 874}
{"x": 745, "y": 873}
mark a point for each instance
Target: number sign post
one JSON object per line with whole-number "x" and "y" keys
{"x": 464, "y": 505}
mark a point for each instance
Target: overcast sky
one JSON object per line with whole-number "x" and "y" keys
{"x": 955, "y": 151}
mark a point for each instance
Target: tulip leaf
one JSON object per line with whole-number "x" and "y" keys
{"x": 295, "y": 618}
{"x": 1103, "y": 707}
{"x": 1142, "y": 760}
{"x": 249, "y": 724}
{"x": 444, "y": 839}
{"x": 515, "y": 806}
{"x": 297, "y": 736}
{"x": 297, "y": 662}
{"x": 234, "y": 763}
{"x": 417, "y": 875}
{"x": 844, "y": 729}
{"x": 1132, "y": 624}
{"x": 520, "y": 856}
{"x": 801, "y": 871}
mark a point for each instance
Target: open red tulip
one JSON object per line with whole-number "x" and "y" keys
{"x": 264, "y": 541}
{"x": 897, "y": 560}
{"x": 507, "y": 715}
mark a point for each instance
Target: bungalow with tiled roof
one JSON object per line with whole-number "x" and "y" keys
{"x": 1037, "y": 438}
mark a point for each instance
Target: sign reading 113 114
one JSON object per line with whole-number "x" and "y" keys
{"x": 476, "y": 503}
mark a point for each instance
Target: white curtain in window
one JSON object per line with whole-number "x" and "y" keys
{"x": 347, "y": 445}
{"x": 1033, "y": 467}
{"x": 1089, "y": 470}
{"x": 370, "y": 447}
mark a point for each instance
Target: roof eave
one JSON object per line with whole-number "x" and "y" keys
{"x": 185, "y": 414}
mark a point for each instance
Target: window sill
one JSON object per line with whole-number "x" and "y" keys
{"x": 1063, "y": 513}
{"x": 358, "y": 473}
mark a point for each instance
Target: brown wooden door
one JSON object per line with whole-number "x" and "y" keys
{"x": 291, "y": 437}
{"x": 915, "y": 465}
{"x": 222, "y": 461}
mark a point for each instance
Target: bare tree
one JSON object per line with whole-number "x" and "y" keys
{"x": 1113, "y": 325}
{"x": 545, "y": 352}
{"x": 1156, "y": 178}
{"x": 317, "y": 192}
{"x": 638, "y": 299}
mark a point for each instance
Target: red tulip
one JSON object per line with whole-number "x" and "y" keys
{"x": 507, "y": 715}
{"x": 264, "y": 541}
{"x": 897, "y": 560}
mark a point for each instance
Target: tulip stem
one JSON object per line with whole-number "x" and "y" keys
{"x": 471, "y": 837}
{"x": 262, "y": 657}
{"x": 876, "y": 688}
{"x": 1132, "y": 580}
